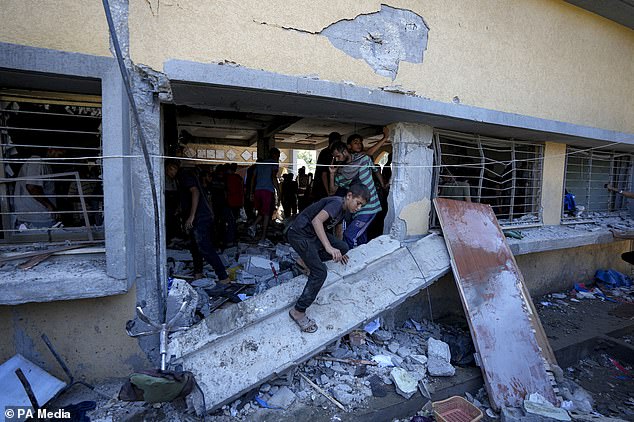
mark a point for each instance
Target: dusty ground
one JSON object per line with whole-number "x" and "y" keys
{"x": 590, "y": 338}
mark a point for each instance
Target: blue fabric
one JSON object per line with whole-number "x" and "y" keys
{"x": 613, "y": 278}
{"x": 356, "y": 232}
{"x": 262, "y": 174}
{"x": 569, "y": 202}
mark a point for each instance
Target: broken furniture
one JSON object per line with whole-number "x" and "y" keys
{"x": 512, "y": 349}
{"x": 12, "y": 391}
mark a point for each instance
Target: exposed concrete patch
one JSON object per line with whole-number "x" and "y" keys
{"x": 54, "y": 280}
{"x": 382, "y": 39}
{"x": 411, "y": 179}
{"x": 229, "y": 364}
{"x": 414, "y": 215}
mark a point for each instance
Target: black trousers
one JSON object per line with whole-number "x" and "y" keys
{"x": 313, "y": 253}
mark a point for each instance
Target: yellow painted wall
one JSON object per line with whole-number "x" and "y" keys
{"x": 543, "y": 58}
{"x": 89, "y": 334}
{"x": 67, "y": 25}
{"x": 553, "y": 180}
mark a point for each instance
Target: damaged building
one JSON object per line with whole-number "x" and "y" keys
{"x": 522, "y": 106}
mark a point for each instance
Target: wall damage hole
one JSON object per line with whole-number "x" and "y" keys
{"x": 383, "y": 39}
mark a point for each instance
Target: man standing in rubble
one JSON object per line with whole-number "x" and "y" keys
{"x": 263, "y": 186}
{"x": 309, "y": 236}
{"x": 199, "y": 220}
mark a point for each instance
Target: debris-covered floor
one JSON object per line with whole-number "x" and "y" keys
{"x": 386, "y": 373}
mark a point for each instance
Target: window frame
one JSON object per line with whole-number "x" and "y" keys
{"x": 45, "y": 69}
{"x": 481, "y": 143}
{"x": 624, "y": 184}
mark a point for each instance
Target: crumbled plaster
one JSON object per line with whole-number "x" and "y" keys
{"x": 415, "y": 217}
{"x": 382, "y": 39}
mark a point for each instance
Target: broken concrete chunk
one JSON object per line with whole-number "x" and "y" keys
{"x": 180, "y": 292}
{"x": 382, "y": 336}
{"x": 538, "y": 405}
{"x": 342, "y": 396}
{"x": 418, "y": 359}
{"x": 439, "y": 358}
{"x": 393, "y": 347}
{"x": 405, "y": 384}
{"x": 283, "y": 398}
{"x": 259, "y": 266}
{"x": 323, "y": 379}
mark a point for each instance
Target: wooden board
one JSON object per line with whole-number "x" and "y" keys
{"x": 505, "y": 329}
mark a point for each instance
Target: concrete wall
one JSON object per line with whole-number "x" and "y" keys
{"x": 553, "y": 271}
{"x": 554, "y": 166}
{"x": 541, "y": 58}
{"x": 66, "y": 25}
{"x": 544, "y": 272}
{"x": 89, "y": 334}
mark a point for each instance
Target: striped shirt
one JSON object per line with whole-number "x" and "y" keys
{"x": 360, "y": 169}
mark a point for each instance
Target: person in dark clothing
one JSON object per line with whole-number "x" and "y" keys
{"x": 321, "y": 183}
{"x": 303, "y": 189}
{"x": 309, "y": 237}
{"x": 172, "y": 221}
{"x": 235, "y": 199}
{"x": 289, "y": 195}
{"x": 248, "y": 202}
{"x": 199, "y": 220}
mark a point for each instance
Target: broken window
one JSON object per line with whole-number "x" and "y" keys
{"x": 50, "y": 166}
{"x": 505, "y": 174}
{"x": 587, "y": 174}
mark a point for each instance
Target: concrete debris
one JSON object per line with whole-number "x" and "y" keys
{"x": 258, "y": 267}
{"x": 283, "y": 397}
{"x": 405, "y": 384}
{"x": 439, "y": 358}
{"x": 180, "y": 292}
{"x": 538, "y": 405}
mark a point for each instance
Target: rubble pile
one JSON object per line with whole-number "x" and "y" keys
{"x": 366, "y": 363}
{"x": 252, "y": 269}
{"x": 610, "y": 286}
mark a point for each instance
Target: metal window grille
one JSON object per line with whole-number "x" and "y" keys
{"x": 33, "y": 126}
{"x": 506, "y": 174}
{"x": 587, "y": 174}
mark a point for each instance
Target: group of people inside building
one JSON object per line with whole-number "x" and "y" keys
{"x": 328, "y": 215}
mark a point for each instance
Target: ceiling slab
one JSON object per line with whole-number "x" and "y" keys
{"x": 619, "y": 11}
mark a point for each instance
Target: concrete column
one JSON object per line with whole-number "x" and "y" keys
{"x": 553, "y": 182}
{"x": 116, "y": 172}
{"x": 409, "y": 199}
{"x": 264, "y": 145}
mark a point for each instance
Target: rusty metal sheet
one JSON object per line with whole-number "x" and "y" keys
{"x": 505, "y": 329}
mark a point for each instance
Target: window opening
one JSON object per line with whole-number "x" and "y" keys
{"x": 51, "y": 185}
{"x": 587, "y": 174}
{"x": 505, "y": 174}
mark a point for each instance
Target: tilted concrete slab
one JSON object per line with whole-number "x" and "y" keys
{"x": 236, "y": 349}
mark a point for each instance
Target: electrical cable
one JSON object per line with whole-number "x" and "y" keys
{"x": 161, "y": 286}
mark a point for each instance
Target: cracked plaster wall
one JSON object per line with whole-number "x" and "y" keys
{"x": 538, "y": 58}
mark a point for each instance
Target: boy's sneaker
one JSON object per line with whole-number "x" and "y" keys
{"x": 251, "y": 231}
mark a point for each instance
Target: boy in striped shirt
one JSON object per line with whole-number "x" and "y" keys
{"x": 358, "y": 168}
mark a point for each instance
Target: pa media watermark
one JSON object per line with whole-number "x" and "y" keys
{"x": 21, "y": 413}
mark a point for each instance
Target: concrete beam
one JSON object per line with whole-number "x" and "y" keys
{"x": 235, "y": 350}
{"x": 52, "y": 281}
{"x": 409, "y": 199}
